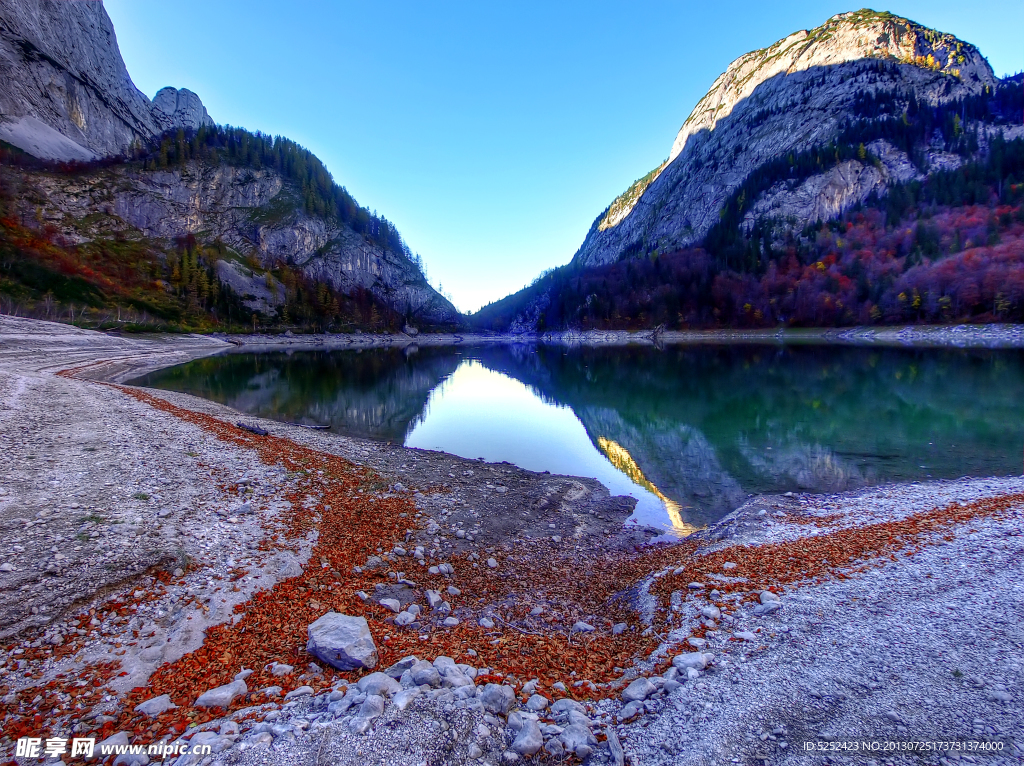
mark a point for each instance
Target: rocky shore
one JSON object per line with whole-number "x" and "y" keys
{"x": 927, "y": 336}
{"x": 166, "y": 557}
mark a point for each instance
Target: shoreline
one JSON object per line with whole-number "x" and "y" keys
{"x": 911, "y": 336}
{"x": 168, "y": 520}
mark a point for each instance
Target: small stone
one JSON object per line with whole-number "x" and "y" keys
{"x": 474, "y": 751}
{"x": 486, "y": 622}
{"x": 492, "y": 563}
{"x": 7, "y": 567}
{"x": 745, "y": 635}
{"x": 767, "y": 596}
{"x": 689, "y": 660}
{"x": 529, "y": 739}
{"x": 582, "y": 627}
{"x": 630, "y": 711}
{"x": 695, "y": 586}
{"x": 302, "y": 691}
{"x": 221, "y": 696}
{"x": 450, "y": 622}
{"x": 497, "y": 699}
{"x": 404, "y": 664}
{"x": 619, "y": 628}
{"x": 378, "y": 684}
{"x": 280, "y": 669}
{"x": 434, "y": 598}
{"x": 711, "y": 613}
{"x": 453, "y": 591}
{"x": 696, "y": 643}
{"x": 729, "y": 565}
{"x": 404, "y": 618}
{"x": 155, "y": 706}
{"x": 536, "y": 703}
{"x": 391, "y": 603}
{"x": 638, "y": 690}
{"x": 425, "y": 674}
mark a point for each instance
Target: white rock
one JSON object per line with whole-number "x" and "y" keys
{"x": 536, "y": 703}
{"x": 639, "y": 690}
{"x": 342, "y": 641}
{"x": 492, "y": 563}
{"x": 689, "y": 660}
{"x": 155, "y": 706}
{"x": 529, "y": 739}
{"x": 391, "y": 603}
{"x": 221, "y": 696}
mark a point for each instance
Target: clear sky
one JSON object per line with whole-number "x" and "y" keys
{"x": 491, "y": 133}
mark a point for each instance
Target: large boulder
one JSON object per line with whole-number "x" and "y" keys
{"x": 342, "y": 641}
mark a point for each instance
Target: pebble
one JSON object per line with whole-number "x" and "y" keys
{"x": 155, "y": 706}
{"x": 529, "y": 739}
{"x": 492, "y": 563}
{"x": 638, "y": 690}
{"x": 582, "y": 627}
{"x": 537, "y": 703}
{"x": 450, "y": 622}
{"x": 486, "y": 622}
{"x": 221, "y": 696}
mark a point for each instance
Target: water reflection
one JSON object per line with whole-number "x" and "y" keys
{"x": 689, "y": 431}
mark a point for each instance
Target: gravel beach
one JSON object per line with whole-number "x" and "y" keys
{"x": 159, "y": 547}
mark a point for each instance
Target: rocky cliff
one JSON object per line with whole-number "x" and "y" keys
{"x": 66, "y": 94}
{"x": 256, "y": 213}
{"x": 794, "y": 95}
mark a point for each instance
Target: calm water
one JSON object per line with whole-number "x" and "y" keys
{"x": 688, "y": 431}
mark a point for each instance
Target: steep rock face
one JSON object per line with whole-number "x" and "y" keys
{"x": 827, "y": 195}
{"x": 254, "y": 212}
{"x": 789, "y": 97}
{"x": 66, "y": 94}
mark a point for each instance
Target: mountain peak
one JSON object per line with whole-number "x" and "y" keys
{"x": 846, "y": 37}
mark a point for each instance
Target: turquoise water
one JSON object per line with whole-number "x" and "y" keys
{"x": 688, "y": 431}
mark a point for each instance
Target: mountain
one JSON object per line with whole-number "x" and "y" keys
{"x": 120, "y": 205}
{"x": 819, "y": 124}
{"x": 66, "y": 94}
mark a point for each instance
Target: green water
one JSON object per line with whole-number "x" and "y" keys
{"x": 689, "y": 431}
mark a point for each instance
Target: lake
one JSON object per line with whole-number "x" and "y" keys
{"x": 690, "y": 431}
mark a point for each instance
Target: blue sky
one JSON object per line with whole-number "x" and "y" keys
{"x": 492, "y": 134}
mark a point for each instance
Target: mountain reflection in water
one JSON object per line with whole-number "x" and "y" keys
{"x": 688, "y": 430}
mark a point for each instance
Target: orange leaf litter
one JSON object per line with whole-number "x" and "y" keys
{"x": 573, "y": 584}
